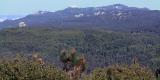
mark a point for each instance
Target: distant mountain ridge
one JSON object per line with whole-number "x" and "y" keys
{"x": 115, "y": 16}
{"x": 10, "y": 17}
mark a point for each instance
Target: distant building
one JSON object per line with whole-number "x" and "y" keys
{"x": 22, "y": 24}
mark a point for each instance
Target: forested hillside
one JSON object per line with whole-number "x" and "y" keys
{"x": 101, "y": 47}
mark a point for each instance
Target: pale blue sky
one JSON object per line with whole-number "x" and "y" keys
{"x": 21, "y": 7}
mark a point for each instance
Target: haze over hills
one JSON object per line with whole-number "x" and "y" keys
{"x": 118, "y": 35}
{"x": 117, "y": 17}
{"x": 90, "y": 40}
{"x": 10, "y": 17}
{"x": 49, "y": 32}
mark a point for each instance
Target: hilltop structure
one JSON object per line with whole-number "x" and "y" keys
{"x": 22, "y": 24}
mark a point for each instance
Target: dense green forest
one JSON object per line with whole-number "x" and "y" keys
{"x": 109, "y": 54}
{"x": 101, "y": 47}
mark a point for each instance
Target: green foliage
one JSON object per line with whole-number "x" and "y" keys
{"x": 100, "y": 46}
{"x": 125, "y": 72}
{"x": 158, "y": 78}
{"x": 22, "y": 68}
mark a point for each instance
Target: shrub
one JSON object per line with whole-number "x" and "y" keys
{"x": 125, "y": 72}
{"x": 21, "y": 68}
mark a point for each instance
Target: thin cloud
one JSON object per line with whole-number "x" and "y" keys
{"x": 73, "y": 6}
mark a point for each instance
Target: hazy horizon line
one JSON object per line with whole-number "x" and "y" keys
{"x": 34, "y": 12}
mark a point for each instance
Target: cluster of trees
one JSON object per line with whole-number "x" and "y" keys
{"x": 74, "y": 65}
{"x": 100, "y": 47}
{"x": 24, "y": 68}
{"x": 119, "y": 72}
{"x": 27, "y": 68}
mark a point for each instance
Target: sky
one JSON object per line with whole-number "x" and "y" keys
{"x": 24, "y": 7}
